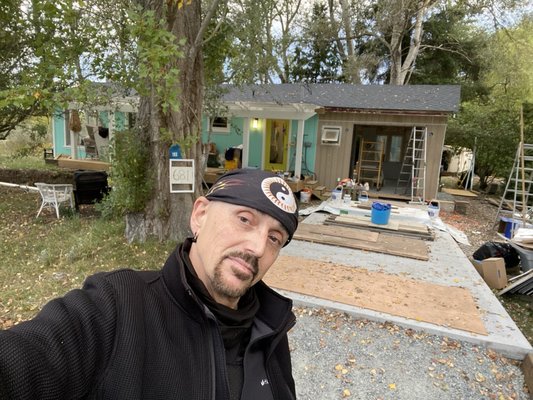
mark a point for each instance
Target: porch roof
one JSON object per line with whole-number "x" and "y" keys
{"x": 429, "y": 98}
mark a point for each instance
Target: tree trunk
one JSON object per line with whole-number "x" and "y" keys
{"x": 167, "y": 214}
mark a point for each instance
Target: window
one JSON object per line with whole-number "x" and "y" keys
{"x": 395, "y": 151}
{"x": 331, "y": 135}
{"x": 220, "y": 124}
{"x": 132, "y": 120}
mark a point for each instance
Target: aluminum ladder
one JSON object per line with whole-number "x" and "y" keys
{"x": 517, "y": 200}
{"x": 412, "y": 176}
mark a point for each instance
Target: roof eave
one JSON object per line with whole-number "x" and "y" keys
{"x": 323, "y": 110}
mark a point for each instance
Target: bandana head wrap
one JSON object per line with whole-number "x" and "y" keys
{"x": 261, "y": 190}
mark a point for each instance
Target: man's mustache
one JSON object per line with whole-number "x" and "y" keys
{"x": 250, "y": 259}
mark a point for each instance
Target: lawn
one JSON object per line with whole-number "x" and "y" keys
{"x": 42, "y": 258}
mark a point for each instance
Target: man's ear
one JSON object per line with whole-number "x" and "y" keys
{"x": 199, "y": 210}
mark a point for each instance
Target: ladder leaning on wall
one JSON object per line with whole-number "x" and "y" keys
{"x": 517, "y": 200}
{"x": 370, "y": 163}
{"x": 412, "y": 178}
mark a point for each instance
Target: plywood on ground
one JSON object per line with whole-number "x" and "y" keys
{"x": 459, "y": 192}
{"x": 386, "y": 244}
{"x": 452, "y": 307}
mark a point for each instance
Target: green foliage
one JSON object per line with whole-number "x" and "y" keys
{"x": 492, "y": 129}
{"x": 157, "y": 52}
{"x": 129, "y": 176}
{"x": 491, "y": 120}
{"x": 316, "y": 59}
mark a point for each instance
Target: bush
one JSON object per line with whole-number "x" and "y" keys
{"x": 128, "y": 175}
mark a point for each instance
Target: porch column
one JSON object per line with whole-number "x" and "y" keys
{"x": 245, "y": 142}
{"x": 299, "y": 147}
{"x": 73, "y": 144}
{"x": 111, "y": 124}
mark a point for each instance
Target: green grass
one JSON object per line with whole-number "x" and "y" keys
{"x": 42, "y": 258}
{"x": 32, "y": 162}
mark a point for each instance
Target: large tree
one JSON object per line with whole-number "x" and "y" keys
{"x": 162, "y": 119}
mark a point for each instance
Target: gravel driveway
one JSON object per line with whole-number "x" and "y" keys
{"x": 336, "y": 356}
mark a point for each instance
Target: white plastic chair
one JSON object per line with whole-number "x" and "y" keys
{"x": 53, "y": 195}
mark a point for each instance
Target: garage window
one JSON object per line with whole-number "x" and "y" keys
{"x": 331, "y": 135}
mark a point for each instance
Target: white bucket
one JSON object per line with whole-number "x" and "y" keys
{"x": 305, "y": 196}
{"x": 433, "y": 209}
{"x": 336, "y": 195}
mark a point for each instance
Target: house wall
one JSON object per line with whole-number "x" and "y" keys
{"x": 60, "y": 129}
{"x": 334, "y": 161}
{"x": 234, "y": 137}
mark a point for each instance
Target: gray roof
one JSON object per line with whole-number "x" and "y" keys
{"x": 431, "y": 98}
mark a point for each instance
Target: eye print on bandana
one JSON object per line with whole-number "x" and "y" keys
{"x": 279, "y": 193}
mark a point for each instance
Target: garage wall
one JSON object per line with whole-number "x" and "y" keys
{"x": 333, "y": 161}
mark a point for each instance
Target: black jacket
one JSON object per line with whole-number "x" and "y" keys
{"x": 141, "y": 335}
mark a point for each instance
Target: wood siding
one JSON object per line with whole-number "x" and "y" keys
{"x": 334, "y": 161}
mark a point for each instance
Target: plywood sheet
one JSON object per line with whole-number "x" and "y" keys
{"x": 452, "y": 307}
{"x": 387, "y": 244}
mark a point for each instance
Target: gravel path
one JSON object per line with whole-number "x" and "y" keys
{"x": 336, "y": 356}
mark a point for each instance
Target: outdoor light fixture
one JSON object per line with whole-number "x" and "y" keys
{"x": 255, "y": 123}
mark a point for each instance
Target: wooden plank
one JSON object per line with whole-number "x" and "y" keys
{"x": 83, "y": 164}
{"x": 459, "y": 192}
{"x": 386, "y": 244}
{"x": 413, "y": 229}
{"x": 453, "y": 307}
{"x": 347, "y": 233}
{"x": 365, "y": 221}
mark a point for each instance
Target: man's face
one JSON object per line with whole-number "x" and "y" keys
{"x": 236, "y": 246}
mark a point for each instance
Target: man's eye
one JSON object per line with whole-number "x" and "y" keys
{"x": 274, "y": 239}
{"x": 244, "y": 219}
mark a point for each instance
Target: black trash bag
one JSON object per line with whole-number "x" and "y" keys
{"x": 497, "y": 249}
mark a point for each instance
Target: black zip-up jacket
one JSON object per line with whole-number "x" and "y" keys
{"x": 142, "y": 335}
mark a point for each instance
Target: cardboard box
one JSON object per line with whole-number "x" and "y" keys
{"x": 492, "y": 270}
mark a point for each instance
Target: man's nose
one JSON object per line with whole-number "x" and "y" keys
{"x": 256, "y": 241}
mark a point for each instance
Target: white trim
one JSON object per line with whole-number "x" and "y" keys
{"x": 245, "y": 142}
{"x": 299, "y": 149}
{"x": 272, "y": 110}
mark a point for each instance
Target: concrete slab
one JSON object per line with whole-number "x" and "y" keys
{"x": 447, "y": 266}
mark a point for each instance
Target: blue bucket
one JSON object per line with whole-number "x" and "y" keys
{"x": 380, "y": 213}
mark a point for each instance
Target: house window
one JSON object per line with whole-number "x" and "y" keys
{"x": 383, "y": 140}
{"x": 331, "y": 135}
{"x": 220, "y": 124}
{"x": 67, "y": 127}
{"x": 395, "y": 151}
{"x": 132, "y": 120}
